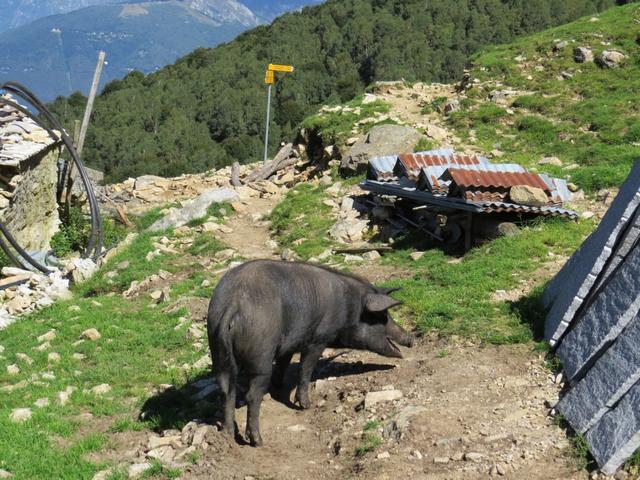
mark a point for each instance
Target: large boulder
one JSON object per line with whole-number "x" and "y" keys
{"x": 197, "y": 208}
{"x": 380, "y": 141}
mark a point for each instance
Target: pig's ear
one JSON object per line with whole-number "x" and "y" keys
{"x": 375, "y": 302}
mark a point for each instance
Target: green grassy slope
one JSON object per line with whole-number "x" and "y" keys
{"x": 586, "y": 115}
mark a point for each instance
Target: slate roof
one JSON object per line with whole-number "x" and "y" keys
{"x": 20, "y": 137}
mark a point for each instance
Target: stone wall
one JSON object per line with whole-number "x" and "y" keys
{"x": 31, "y": 212}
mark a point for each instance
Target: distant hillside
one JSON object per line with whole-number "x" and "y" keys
{"x": 208, "y": 109}
{"x": 267, "y": 11}
{"x": 16, "y": 13}
{"x": 56, "y": 55}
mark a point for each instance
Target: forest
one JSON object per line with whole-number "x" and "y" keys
{"x": 207, "y": 110}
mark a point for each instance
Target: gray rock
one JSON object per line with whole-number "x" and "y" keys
{"x": 615, "y": 372}
{"x": 373, "y": 398}
{"x": 20, "y": 415}
{"x": 582, "y": 55}
{"x": 569, "y": 289}
{"x": 381, "y": 140}
{"x": 617, "y": 435}
{"x": 610, "y": 311}
{"x": 527, "y": 195}
{"x": 555, "y": 161}
{"x": 5, "y": 474}
{"x": 610, "y": 59}
{"x": 197, "y": 208}
{"x": 137, "y": 469}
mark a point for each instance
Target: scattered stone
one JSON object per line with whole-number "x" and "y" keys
{"x": 572, "y": 187}
{"x": 415, "y": 256}
{"x": 42, "y": 402}
{"x": 473, "y": 456}
{"x": 554, "y": 161}
{"x": 441, "y": 460}
{"x": 371, "y": 256}
{"x": 373, "y": 398}
{"x": 417, "y": 454}
{"x": 200, "y": 435}
{"x": 101, "y": 389}
{"x": 74, "y": 308}
{"x": 137, "y": 469}
{"x": 20, "y": 415}
{"x": 353, "y": 259}
{"x": 296, "y": 428}
{"x": 508, "y": 229}
{"x": 587, "y": 215}
{"x": 5, "y": 474}
{"x": 164, "y": 454}
{"x": 157, "y": 442}
{"x": 383, "y": 455}
{"x": 24, "y": 358}
{"x": 13, "y": 369}
{"x": 78, "y": 356}
{"x": 583, "y": 55}
{"x": 47, "y": 337}
{"x": 91, "y": 334}
{"x": 123, "y": 265}
{"x": 610, "y": 59}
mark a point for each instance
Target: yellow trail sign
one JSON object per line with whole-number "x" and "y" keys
{"x": 280, "y": 68}
{"x": 269, "y": 78}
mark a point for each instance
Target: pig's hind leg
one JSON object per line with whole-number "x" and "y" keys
{"x": 258, "y": 387}
{"x": 308, "y": 361}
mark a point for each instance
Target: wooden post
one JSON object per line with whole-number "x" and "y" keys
{"x": 76, "y": 132}
{"x": 92, "y": 96}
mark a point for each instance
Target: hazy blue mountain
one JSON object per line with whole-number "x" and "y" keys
{"x": 56, "y": 55}
{"x": 20, "y": 12}
{"x": 268, "y": 10}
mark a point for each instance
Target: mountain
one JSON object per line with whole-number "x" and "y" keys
{"x": 56, "y": 55}
{"x": 20, "y": 12}
{"x": 16, "y": 13}
{"x": 267, "y": 11}
{"x": 207, "y": 109}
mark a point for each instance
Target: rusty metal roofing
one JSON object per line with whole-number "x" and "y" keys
{"x": 430, "y": 177}
{"x": 488, "y": 179}
{"x": 410, "y": 164}
{"x": 382, "y": 168}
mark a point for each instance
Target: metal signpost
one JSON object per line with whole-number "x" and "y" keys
{"x": 270, "y": 79}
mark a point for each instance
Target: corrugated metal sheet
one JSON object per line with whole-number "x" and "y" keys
{"x": 410, "y": 164}
{"x": 489, "y": 179}
{"x": 430, "y": 177}
{"x": 426, "y": 198}
{"x": 559, "y": 190}
{"x": 382, "y": 168}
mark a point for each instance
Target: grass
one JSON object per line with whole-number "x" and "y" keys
{"x": 140, "y": 348}
{"x": 370, "y": 440}
{"x": 301, "y": 221}
{"x": 590, "y": 119}
{"x": 336, "y": 127}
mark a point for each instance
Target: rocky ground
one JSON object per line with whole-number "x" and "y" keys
{"x": 451, "y": 409}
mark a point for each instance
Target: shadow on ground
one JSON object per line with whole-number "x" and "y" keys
{"x": 175, "y": 407}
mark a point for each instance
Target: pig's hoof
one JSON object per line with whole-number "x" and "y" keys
{"x": 303, "y": 401}
{"x": 255, "y": 440}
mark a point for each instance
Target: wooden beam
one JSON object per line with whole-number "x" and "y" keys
{"x": 92, "y": 96}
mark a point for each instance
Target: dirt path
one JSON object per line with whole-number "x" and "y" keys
{"x": 250, "y": 231}
{"x": 476, "y": 411}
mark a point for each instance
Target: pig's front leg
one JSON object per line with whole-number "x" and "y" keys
{"x": 308, "y": 361}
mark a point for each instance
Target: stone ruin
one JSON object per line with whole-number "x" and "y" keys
{"x": 594, "y": 325}
{"x": 28, "y": 179}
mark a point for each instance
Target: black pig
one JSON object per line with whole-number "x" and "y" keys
{"x": 265, "y": 311}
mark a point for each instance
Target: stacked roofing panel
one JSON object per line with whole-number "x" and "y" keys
{"x": 478, "y": 181}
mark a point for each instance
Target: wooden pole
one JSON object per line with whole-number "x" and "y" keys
{"x": 92, "y": 96}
